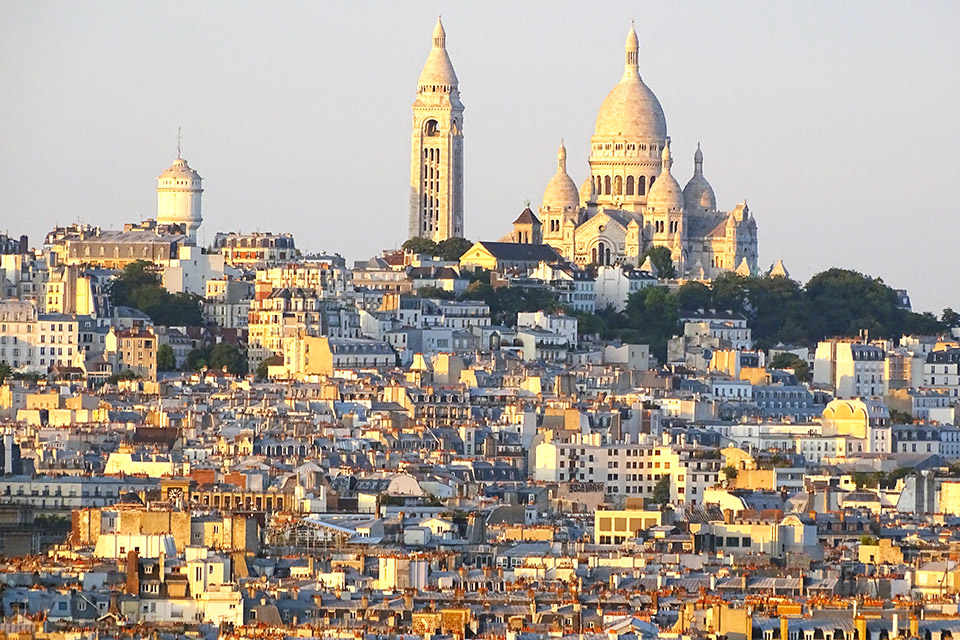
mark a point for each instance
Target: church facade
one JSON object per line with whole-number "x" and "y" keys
{"x": 631, "y": 201}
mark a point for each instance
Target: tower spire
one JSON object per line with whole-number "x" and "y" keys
{"x": 667, "y": 160}
{"x": 179, "y": 140}
{"x": 562, "y": 157}
{"x": 632, "y": 51}
{"x": 439, "y": 35}
{"x": 698, "y": 160}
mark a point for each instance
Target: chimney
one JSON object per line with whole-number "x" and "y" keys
{"x": 728, "y": 516}
{"x": 133, "y": 572}
{"x": 785, "y": 628}
{"x": 914, "y": 625}
{"x": 408, "y": 600}
{"x": 364, "y": 603}
{"x": 861, "y": 625}
{"x": 895, "y": 627}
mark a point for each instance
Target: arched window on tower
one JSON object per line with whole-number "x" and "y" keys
{"x": 431, "y": 128}
{"x": 652, "y": 180}
{"x": 629, "y": 185}
{"x": 641, "y": 185}
{"x": 606, "y": 185}
{"x": 599, "y": 185}
{"x": 618, "y": 186}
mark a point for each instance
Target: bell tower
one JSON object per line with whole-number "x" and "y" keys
{"x": 436, "y": 166}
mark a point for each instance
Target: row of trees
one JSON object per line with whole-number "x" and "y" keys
{"x": 450, "y": 249}
{"x": 214, "y": 356}
{"x": 836, "y": 302}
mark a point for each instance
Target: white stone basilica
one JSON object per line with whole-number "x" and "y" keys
{"x": 630, "y": 203}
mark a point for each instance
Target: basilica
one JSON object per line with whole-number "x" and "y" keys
{"x": 630, "y": 203}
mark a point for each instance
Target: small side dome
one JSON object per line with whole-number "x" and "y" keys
{"x": 665, "y": 194}
{"x": 561, "y": 192}
{"x": 698, "y": 195}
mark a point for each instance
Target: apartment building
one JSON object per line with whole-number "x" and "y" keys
{"x": 627, "y": 468}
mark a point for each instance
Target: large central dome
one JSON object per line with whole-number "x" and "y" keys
{"x": 631, "y": 110}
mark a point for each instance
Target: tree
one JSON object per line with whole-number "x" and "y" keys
{"x": 420, "y": 245}
{"x": 138, "y": 287}
{"x": 662, "y": 259}
{"x": 452, "y": 248}
{"x": 217, "y": 356}
{"x": 435, "y": 292}
{"x": 5, "y": 371}
{"x": 694, "y": 295}
{"x": 786, "y": 360}
{"x": 730, "y": 472}
{"x": 950, "y": 318}
{"x": 134, "y": 276}
{"x": 653, "y": 315}
{"x": 166, "y": 360}
{"x": 729, "y": 292}
{"x": 900, "y": 417}
{"x": 263, "y": 369}
{"x": 661, "y": 490}
{"x": 843, "y": 302}
{"x": 126, "y": 374}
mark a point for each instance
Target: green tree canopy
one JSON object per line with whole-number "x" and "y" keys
{"x": 662, "y": 260}
{"x": 263, "y": 369}
{"x": 166, "y": 360}
{"x": 950, "y": 318}
{"x": 139, "y": 287}
{"x": 217, "y": 356}
{"x": 654, "y": 317}
{"x": 694, "y": 295}
{"x": 661, "y": 490}
{"x": 452, "y": 248}
{"x": 420, "y": 245}
{"x": 435, "y": 292}
{"x": 785, "y": 360}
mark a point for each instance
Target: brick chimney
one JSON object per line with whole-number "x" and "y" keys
{"x": 133, "y": 572}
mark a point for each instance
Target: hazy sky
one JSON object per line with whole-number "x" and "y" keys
{"x": 838, "y": 122}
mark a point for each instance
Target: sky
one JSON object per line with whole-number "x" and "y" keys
{"x": 837, "y": 122}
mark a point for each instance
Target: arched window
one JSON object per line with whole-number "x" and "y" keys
{"x": 606, "y": 185}
{"x": 652, "y": 180}
{"x": 431, "y": 128}
{"x": 641, "y": 185}
{"x": 601, "y": 252}
{"x": 618, "y": 186}
{"x": 593, "y": 255}
{"x": 629, "y": 185}
{"x": 608, "y": 263}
